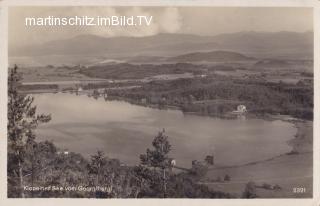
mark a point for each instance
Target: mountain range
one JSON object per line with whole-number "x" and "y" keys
{"x": 255, "y": 44}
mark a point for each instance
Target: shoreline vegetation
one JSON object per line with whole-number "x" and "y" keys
{"x": 204, "y": 181}
{"x": 202, "y": 94}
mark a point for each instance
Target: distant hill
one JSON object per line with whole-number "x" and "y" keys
{"x": 115, "y": 46}
{"x": 256, "y": 44}
{"x": 214, "y": 56}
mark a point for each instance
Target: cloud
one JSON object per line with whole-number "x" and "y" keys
{"x": 170, "y": 21}
{"x": 190, "y": 20}
{"x": 165, "y": 20}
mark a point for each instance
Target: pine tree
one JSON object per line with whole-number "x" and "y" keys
{"x": 22, "y": 121}
{"x": 158, "y": 158}
{"x": 96, "y": 166}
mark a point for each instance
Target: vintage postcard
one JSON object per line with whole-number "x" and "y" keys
{"x": 161, "y": 102}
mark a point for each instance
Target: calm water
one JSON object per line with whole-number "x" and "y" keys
{"x": 85, "y": 125}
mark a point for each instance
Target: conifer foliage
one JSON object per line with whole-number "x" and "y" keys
{"x": 22, "y": 121}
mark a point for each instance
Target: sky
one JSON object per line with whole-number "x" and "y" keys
{"x": 206, "y": 21}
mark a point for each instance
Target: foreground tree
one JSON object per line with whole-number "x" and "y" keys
{"x": 158, "y": 158}
{"x": 22, "y": 121}
{"x": 153, "y": 177}
{"x": 105, "y": 172}
{"x": 96, "y": 166}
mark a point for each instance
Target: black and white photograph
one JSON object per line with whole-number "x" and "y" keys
{"x": 160, "y": 102}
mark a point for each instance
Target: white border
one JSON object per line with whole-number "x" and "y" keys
{"x": 316, "y": 122}
{"x": 150, "y": 202}
{"x": 224, "y": 3}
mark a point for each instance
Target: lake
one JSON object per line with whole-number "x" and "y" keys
{"x": 124, "y": 131}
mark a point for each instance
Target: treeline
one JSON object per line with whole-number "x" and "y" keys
{"x": 221, "y": 96}
{"x": 44, "y": 165}
{"x": 138, "y": 71}
{"x": 34, "y": 166}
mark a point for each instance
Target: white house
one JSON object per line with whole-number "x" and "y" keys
{"x": 173, "y": 162}
{"x": 241, "y": 108}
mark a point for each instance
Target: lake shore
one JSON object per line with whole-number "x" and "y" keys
{"x": 290, "y": 170}
{"x": 302, "y": 142}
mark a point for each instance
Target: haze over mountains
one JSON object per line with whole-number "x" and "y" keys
{"x": 251, "y": 44}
